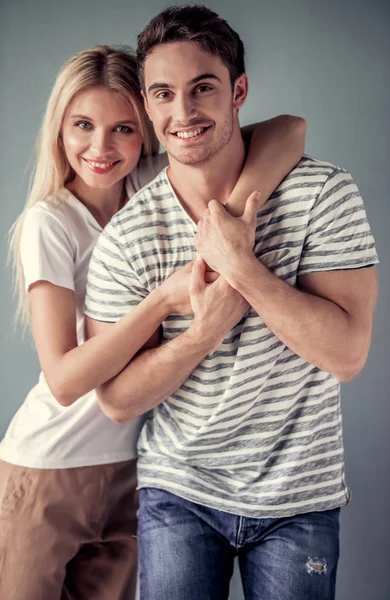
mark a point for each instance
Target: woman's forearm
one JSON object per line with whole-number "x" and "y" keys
{"x": 100, "y": 358}
{"x": 276, "y": 146}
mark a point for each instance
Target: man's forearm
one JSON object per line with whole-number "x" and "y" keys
{"x": 154, "y": 374}
{"x": 315, "y": 328}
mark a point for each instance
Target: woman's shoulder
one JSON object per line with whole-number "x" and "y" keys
{"x": 52, "y": 214}
{"x": 56, "y": 204}
{"x": 60, "y": 207}
{"x": 147, "y": 169}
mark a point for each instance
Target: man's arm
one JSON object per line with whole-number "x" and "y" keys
{"x": 327, "y": 320}
{"x": 156, "y": 373}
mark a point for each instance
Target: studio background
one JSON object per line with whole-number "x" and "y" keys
{"x": 328, "y": 62}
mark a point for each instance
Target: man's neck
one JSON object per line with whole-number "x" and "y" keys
{"x": 196, "y": 185}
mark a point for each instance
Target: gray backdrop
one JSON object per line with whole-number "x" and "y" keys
{"x": 327, "y": 61}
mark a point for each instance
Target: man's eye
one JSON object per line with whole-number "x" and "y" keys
{"x": 162, "y": 95}
{"x": 203, "y": 88}
{"x": 124, "y": 129}
{"x": 84, "y": 125}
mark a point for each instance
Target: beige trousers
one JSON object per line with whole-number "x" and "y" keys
{"x": 68, "y": 534}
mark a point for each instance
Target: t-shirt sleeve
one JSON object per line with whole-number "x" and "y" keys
{"x": 46, "y": 249}
{"x": 146, "y": 170}
{"x": 113, "y": 287}
{"x": 339, "y": 235}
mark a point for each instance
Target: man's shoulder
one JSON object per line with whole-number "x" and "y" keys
{"x": 307, "y": 179}
{"x": 308, "y": 165}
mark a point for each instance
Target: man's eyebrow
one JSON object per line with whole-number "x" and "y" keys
{"x": 203, "y": 76}
{"x": 159, "y": 84}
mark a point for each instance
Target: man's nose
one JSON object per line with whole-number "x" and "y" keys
{"x": 185, "y": 108}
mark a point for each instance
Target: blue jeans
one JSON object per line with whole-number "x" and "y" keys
{"x": 186, "y": 552}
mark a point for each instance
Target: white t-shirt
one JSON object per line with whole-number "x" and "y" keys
{"x": 57, "y": 240}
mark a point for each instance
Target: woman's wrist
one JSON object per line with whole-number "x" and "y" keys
{"x": 163, "y": 301}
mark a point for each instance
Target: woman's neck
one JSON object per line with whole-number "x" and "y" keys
{"x": 102, "y": 203}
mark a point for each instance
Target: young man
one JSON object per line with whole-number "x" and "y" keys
{"x": 243, "y": 455}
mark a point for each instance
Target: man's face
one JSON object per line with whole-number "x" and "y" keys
{"x": 189, "y": 98}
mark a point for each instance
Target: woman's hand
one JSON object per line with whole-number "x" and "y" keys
{"x": 217, "y": 307}
{"x": 176, "y": 289}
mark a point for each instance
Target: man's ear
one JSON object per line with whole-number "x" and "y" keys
{"x": 240, "y": 91}
{"x": 146, "y": 104}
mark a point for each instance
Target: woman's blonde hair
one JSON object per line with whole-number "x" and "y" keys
{"x": 116, "y": 70}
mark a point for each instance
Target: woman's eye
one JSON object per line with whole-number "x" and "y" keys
{"x": 124, "y": 129}
{"x": 84, "y": 125}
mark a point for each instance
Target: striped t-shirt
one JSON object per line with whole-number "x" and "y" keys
{"x": 255, "y": 430}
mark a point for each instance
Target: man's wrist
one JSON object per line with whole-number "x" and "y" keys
{"x": 243, "y": 269}
{"x": 203, "y": 337}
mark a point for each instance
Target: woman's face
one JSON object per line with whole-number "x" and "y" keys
{"x": 101, "y": 137}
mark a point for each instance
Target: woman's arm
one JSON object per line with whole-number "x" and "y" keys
{"x": 276, "y": 146}
{"x": 71, "y": 370}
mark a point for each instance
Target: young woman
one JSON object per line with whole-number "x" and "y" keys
{"x": 67, "y": 473}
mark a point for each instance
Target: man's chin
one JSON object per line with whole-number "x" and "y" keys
{"x": 192, "y": 157}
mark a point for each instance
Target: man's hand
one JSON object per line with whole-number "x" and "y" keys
{"x": 224, "y": 241}
{"x": 217, "y": 307}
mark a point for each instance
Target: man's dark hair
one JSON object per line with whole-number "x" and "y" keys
{"x": 193, "y": 23}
